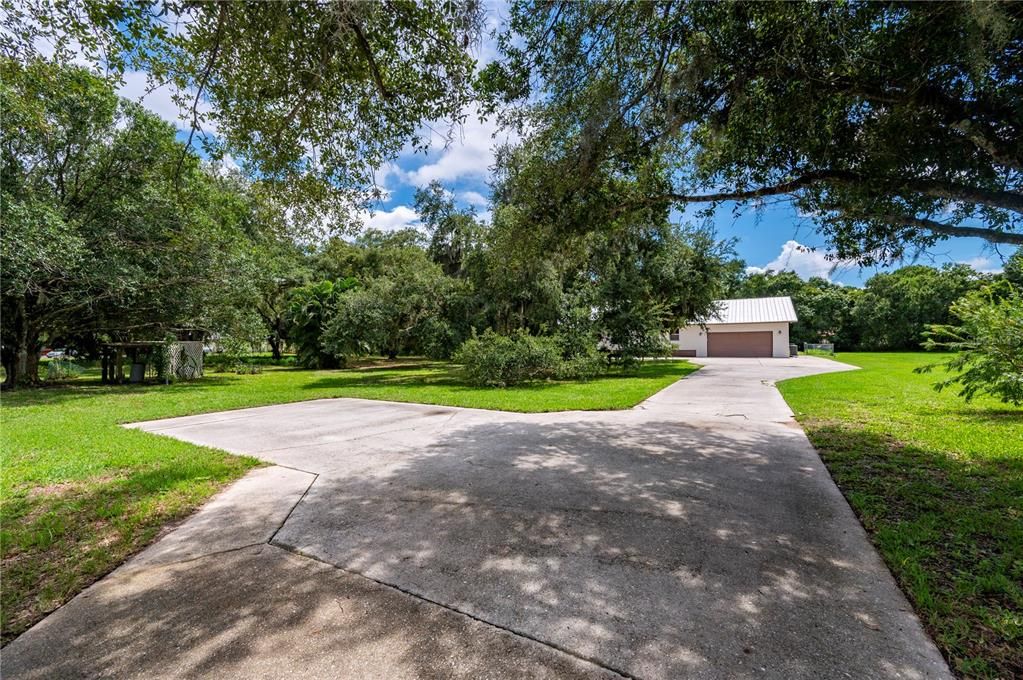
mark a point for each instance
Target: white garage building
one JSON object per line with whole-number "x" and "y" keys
{"x": 750, "y": 327}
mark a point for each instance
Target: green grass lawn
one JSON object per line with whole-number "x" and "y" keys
{"x": 78, "y": 493}
{"x": 938, "y": 484}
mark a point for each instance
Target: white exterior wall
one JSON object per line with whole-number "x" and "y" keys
{"x": 695, "y": 337}
{"x": 692, "y": 338}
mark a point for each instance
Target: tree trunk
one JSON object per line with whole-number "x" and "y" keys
{"x": 22, "y": 360}
{"x": 32, "y": 365}
{"x": 7, "y": 360}
{"x": 277, "y": 338}
{"x": 21, "y": 363}
{"x": 21, "y": 349}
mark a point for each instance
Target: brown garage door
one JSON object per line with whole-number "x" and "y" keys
{"x": 755, "y": 344}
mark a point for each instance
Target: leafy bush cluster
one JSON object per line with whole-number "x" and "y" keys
{"x": 582, "y": 366}
{"x": 988, "y": 343}
{"x": 497, "y": 360}
{"x": 62, "y": 369}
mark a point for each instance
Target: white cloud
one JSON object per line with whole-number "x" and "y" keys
{"x": 385, "y": 172}
{"x": 397, "y": 218}
{"x": 469, "y": 155}
{"x": 473, "y": 198}
{"x": 984, "y": 265}
{"x": 795, "y": 257}
{"x": 226, "y": 165}
{"x": 161, "y": 102}
{"x": 495, "y": 18}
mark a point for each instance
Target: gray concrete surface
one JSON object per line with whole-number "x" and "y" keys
{"x": 248, "y": 513}
{"x": 697, "y": 535}
{"x": 261, "y": 612}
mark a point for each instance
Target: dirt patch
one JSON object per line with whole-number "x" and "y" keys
{"x": 64, "y": 489}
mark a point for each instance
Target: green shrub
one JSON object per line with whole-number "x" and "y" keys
{"x": 63, "y": 368}
{"x": 584, "y": 364}
{"x": 267, "y": 360}
{"x": 988, "y": 343}
{"x": 501, "y": 360}
{"x": 498, "y": 360}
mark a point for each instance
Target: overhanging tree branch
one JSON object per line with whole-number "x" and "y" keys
{"x": 990, "y": 235}
{"x": 1007, "y": 200}
{"x": 201, "y": 85}
{"x": 789, "y": 187}
{"x": 367, "y": 52}
{"x": 1001, "y": 199}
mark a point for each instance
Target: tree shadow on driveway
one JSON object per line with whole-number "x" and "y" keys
{"x": 263, "y": 612}
{"x": 655, "y": 549}
{"x": 647, "y": 547}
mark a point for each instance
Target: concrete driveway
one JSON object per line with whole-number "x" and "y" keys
{"x": 695, "y": 536}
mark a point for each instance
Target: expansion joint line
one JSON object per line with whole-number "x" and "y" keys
{"x": 409, "y": 593}
{"x": 301, "y": 498}
{"x": 422, "y": 598}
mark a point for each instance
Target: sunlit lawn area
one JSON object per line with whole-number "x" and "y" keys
{"x": 80, "y": 493}
{"x": 939, "y": 486}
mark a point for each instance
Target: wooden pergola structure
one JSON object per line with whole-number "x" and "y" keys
{"x": 113, "y": 354}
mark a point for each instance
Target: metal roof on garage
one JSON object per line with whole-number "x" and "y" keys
{"x": 754, "y": 310}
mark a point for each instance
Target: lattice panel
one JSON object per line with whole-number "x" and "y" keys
{"x": 186, "y": 359}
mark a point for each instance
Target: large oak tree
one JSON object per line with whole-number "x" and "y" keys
{"x": 109, "y": 227}
{"x": 310, "y": 96}
{"x": 891, "y": 124}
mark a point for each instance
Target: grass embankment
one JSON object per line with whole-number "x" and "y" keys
{"x": 938, "y": 484}
{"x": 79, "y": 494}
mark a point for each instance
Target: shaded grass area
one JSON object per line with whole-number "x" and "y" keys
{"x": 79, "y": 493}
{"x": 938, "y": 484}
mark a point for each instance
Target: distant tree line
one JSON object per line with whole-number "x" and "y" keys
{"x": 892, "y": 310}
{"x": 415, "y": 293}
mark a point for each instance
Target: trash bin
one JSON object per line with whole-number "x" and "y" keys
{"x": 138, "y": 373}
{"x": 793, "y": 350}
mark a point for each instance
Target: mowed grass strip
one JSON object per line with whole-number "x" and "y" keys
{"x": 79, "y": 493}
{"x": 938, "y": 484}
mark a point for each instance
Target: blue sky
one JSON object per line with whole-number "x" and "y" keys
{"x": 774, "y": 236}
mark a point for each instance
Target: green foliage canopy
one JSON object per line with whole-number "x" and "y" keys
{"x": 110, "y": 228}
{"x": 312, "y": 96}
{"x": 891, "y": 124}
{"x": 896, "y": 307}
